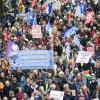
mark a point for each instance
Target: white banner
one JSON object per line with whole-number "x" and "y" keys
{"x": 56, "y": 95}
{"x": 84, "y": 57}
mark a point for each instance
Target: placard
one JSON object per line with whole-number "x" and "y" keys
{"x": 84, "y": 57}
{"x": 36, "y": 31}
{"x": 56, "y": 95}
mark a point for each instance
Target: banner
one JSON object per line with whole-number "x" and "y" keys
{"x": 56, "y": 95}
{"x": 31, "y": 59}
{"x": 84, "y": 57}
{"x": 36, "y": 31}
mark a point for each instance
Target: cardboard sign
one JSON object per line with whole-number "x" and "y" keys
{"x": 84, "y": 57}
{"x": 56, "y": 95}
{"x": 36, "y": 31}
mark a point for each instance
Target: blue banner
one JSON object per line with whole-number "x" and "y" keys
{"x": 31, "y": 59}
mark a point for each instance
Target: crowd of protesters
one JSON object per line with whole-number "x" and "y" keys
{"x": 66, "y": 75}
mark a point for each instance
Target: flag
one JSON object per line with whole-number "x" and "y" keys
{"x": 35, "y": 20}
{"x": 32, "y": 18}
{"x": 83, "y": 7}
{"x": 70, "y": 32}
{"x": 86, "y": 74}
{"x": 78, "y": 12}
{"x": 49, "y": 9}
{"x": 48, "y": 27}
{"x": 33, "y": 3}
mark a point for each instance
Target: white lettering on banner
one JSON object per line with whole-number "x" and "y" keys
{"x": 31, "y": 59}
{"x": 56, "y": 95}
{"x": 36, "y": 31}
{"x": 84, "y": 57}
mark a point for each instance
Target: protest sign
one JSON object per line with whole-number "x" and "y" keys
{"x": 84, "y": 57}
{"x": 89, "y": 17}
{"x": 36, "y": 31}
{"x": 56, "y": 95}
{"x": 31, "y": 59}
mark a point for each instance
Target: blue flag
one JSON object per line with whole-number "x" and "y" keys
{"x": 49, "y": 9}
{"x": 35, "y": 20}
{"x": 70, "y": 32}
{"x": 32, "y": 18}
{"x": 82, "y": 7}
{"x": 48, "y": 27}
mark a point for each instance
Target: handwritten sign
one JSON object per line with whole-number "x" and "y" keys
{"x": 56, "y": 95}
{"x": 36, "y": 31}
{"x": 84, "y": 57}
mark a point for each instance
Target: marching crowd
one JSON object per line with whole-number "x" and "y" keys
{"x": 78, "y": 81}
